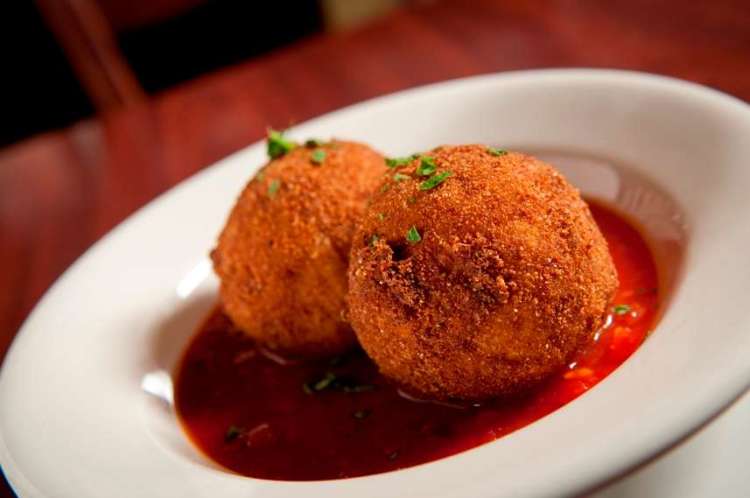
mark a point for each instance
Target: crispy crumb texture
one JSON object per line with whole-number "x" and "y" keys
{"x": 510, "y": 278}
{"x": 282, "y": 256}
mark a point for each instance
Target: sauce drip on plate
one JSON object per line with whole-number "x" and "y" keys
{"x": 339, "y": 418}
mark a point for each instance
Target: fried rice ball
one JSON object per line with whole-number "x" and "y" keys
{"x": 476, "y": 273}
{"x": 282, "y": 256}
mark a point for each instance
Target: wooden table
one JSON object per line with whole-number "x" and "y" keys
{"x": 61, "y": 191}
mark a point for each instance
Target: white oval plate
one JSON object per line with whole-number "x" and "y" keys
{"x": 85, "y": 390}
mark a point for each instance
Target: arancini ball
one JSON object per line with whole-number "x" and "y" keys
{"x": 475, "y": 273}
{"x": 282, "y": 256}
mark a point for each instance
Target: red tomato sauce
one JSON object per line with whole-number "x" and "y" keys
{"x": 339, "y": 418}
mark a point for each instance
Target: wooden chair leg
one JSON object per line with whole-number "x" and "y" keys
{"x": 91, "y": 47}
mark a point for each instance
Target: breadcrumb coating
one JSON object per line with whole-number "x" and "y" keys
{"x": 282, "y": 256}
{"x": 509, "y": 280}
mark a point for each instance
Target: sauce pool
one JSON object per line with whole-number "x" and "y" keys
{"x": 339, "y": 418}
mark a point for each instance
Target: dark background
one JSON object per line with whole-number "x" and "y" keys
{"x": 43, "y": 93}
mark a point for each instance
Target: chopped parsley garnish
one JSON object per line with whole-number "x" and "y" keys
{"x": 434, "y": 181}
{"x": 273, "y": 187}
{"x": 381, "y": 216}
{"x": 325, "y": 382}
{"x": 351, "y": 387}
{"x": 331, "y": 381}
{"x": 318, "y": 156}
{"x": 385, "y": 188}
{"x": 621, "y": 309}
{"x": 412, "y": 236}
{"x": 311, "y": 143}
{"x": 278, "y": 145}
{"x": 494, "y": 151}
{"x": 361, "y": 414}
{"x": 320, "y": 384}
{"x": 397, "y": 162}
{"x": 374, "y": 240}
{"x": 233, "y": 433}
{"x": 400, "y": 177}
{"x": 426, "y": 166}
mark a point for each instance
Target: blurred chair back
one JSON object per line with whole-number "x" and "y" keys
{"x": 87, "y": 32}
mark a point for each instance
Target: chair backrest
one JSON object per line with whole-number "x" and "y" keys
{"x": 87, "y": 32}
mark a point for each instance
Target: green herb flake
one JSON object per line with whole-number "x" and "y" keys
{"x": 398, "y": 177}
{"x": 356, "y": 388}
{"x": 325, "y": 382}
{"x": 273, "y": 187}
{"x": 277, "y": 145}
{"x": 385, "y": 188}
{"x": 312, "y": 143}
{"x": 412, "y": 236}
{"x": 621, "y": 309}
{"x": 426, "y": 166}
{"x": 320, "y": 384}
{"x": 374, "y": 240}
{"x": 318, "y": 156}
{"x": 233, "y": 433}
{"x": 397, "y": 162}
{"x": 361, "y": 414}
{"x": 330, "y": 381}
{"x": 434, "y": 181}
{"x": 381, "y": 217}
{"x": 494, "y": 151}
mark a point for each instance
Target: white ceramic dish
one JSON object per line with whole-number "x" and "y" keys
{"x": 711, "y": 463}
{"x": 76, "y": 416}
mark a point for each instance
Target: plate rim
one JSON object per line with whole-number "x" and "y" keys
{"x": 729, "y": 392}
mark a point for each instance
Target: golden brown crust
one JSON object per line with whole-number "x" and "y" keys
{"x": 283, "y": 254}
{"x": 509, "y": 281}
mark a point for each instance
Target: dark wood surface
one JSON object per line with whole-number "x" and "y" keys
{"x": 62, "y": 191}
